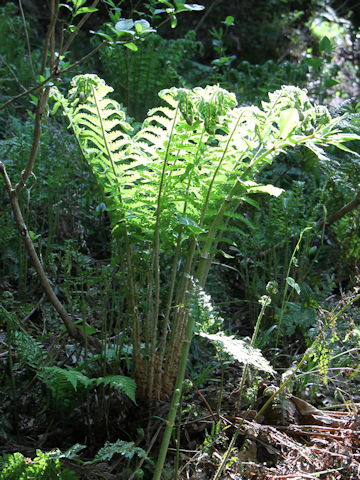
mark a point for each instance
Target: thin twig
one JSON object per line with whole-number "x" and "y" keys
{"x": 207, "y": 12}
{"x": 3, "y": 60}
{"x": 77, "y": 29}
{"x": 73, "y": 331}
{"x": 203, "y": 399}
{"x": 53, "y": 19}
{"x": 27, "y": 40}
{"x": 40, "y": 108}
{"x": 27, "y": 92}
{"x": 51, "y": 76}
{"x": 153, "y": 440}
{"x": 29, "y": 315}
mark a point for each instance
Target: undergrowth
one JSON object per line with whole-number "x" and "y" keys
{"x": 157, "y": 64}
{"x": 124, "y": 217}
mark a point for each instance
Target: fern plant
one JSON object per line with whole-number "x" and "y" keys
{"x": 58, "y": 379}
{"x": 171, "y": 192}
{"x": 45, "y": 466}
{"x": 126, "y": 449}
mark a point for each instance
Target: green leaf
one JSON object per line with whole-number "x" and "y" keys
{"x": 193, "y": 7}
{"x": 290, "y": 281}
{"x": 226, "y": 255}
{"x": 85, "y": 10}
{"x": 143, "y": 26}
{"x": 288, "y": 121}
{"x": 131, "y": 46}
{"x": 173, "y": 21}
{"x": 102, "y": 34}
{"x": 166, "y": 2}
{"x": 256, "y": 188}
{"x": 330, "y": 82}
{"x": 319, "y": 152}
{"x": 78, "y": 3}
{"x": 251, "y": 202}
{"x": 325, "y": 45}
{"x": 125, "y": 25}
{"x": 71, "y": 375}
{"x": 229, "y": 21}
{"x": 192, "y": 226}
{"x": 33, "y": 235}
{"x": 55, "y": 108}
{"x": 89, "y": 329}
{"x": 314, "y": 62}
{"x": 65, "y": 6}
{"x": 344, "y": 137}
{"x": 72, "y": 451}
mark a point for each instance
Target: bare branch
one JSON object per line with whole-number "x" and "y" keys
{"x": 42, "y": 100}
{"x": 343, "y": 211}
{"x": 24, "y": 94}
{"x": 53, "y": 20}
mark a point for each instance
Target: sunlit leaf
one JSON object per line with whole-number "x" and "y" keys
{"x": 86, "y": 10}
{"x": 269, "y": 189}
{"x": 102, "y": 34}
{"x": 290, "y": 281}
{"x": 173, "y": 21}
{"x": 229, "y": 21}
{"x": 125, "y": 384}
{"x": 288, "y": 121}
{"x": 65, "y": 6}
{"x": 131, "y": 46}
{"x": 124, "y": 25}
{"x": 240, "y": 351}
{"x": 192, "y": 226}
{"x": 193, "y": 6}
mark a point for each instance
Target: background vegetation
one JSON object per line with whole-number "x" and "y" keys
{"x": 131, "y": 196}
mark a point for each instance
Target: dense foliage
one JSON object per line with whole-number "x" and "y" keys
{"x": 175, "y": 202}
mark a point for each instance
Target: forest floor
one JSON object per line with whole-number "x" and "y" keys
{"x": 293, "y": 438}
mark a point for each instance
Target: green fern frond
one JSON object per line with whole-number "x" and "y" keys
{"x": 71, "y": 376}
{"x": 126, "y": 449}
{"x": 208, "y": 144}
{"x": 30, "y": 351}
{"x": 240, "y": 351}
{"x": 125, "y": 384}
{"x": 45, "y": 466}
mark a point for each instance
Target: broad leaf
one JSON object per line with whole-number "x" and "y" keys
{"x": 256, "y": 188}
{"x": 288, "y": 121}
{"x": 125, "y": 25}
{"x": 190, "y": 224}
{"x": 290, "y": 281}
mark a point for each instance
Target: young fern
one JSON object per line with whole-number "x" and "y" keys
{"x": 57, "y": 378}
{"x": 172, "y": 190}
